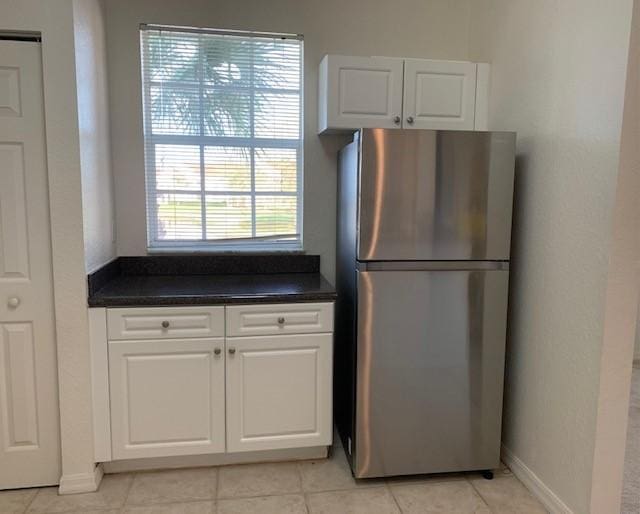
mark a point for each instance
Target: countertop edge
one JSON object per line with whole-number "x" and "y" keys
{"x": 177, "y": 301}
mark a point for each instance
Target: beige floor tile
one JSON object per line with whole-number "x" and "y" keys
{"x": 374, "y": 500}
{"x": 172, "y": 508}
{"x": 288, "y": 504}
{"x": 180, "y": 485}
{"x": 330, "y": 474}
{"x": 507, "y": 496}
{"x": 16, "y": 501}
{"x": 98, "y": 511}
{"x": 258, "y": 480}
{"x": 456, "y": 496}
{"x": 111, "y": 495}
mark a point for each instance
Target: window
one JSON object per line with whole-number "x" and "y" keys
{"x": 223, "y": 139}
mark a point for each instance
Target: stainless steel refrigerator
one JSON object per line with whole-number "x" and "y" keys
{"x": 424, "y": 225}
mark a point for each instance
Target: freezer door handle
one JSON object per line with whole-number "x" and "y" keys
{"x": 432, "y": 265}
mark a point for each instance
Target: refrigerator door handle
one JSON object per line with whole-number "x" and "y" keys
{"x": 432, "y": 265}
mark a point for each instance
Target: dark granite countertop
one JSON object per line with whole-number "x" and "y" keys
{"x": 168, "y": 281}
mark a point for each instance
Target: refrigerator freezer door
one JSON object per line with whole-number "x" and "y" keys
{"x": 430, "y": 362}
{"x": 435, "y": 195}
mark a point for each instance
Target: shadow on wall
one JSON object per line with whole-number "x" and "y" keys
{"x": 520, "y": 200}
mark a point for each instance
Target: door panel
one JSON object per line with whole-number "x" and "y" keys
{"x": 19, "y": 404}
{"x": 430, "y": 362}
{"x": 435, "y": 195}
{"x": 439, "y": 94}
{"x": 29, "y": 423}
{"x": 278, "y": 392}
{"x": 167, "y": 397}
{"x": 14, "y": 258}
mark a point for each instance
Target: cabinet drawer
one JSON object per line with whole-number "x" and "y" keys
{"x": 165, "y": 322}
{"x": 295, "y": 318}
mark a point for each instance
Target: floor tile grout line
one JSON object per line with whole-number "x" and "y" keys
{"x": 28, "y": 505}
{"x": 217, "y": 487}
{"x": 395, "y": 500}
{"x": 477, "y": 491}
{"x": 126, "y": 496}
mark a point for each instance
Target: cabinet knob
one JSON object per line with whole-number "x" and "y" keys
{"x": 13, "y": 302}
{"x": 165, "y": 324}
{"x": 410, "y": 120}
{"x": 232, "y": 351}
{"x": 280, "y": 321}
{"x": 396, "y": 120}
{"x": 217, "y": 351}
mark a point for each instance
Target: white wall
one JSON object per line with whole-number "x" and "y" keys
{"x": 558, "y": 77}
{"x": 414, "y": 28}
{"x": 621, "y": 304}
{"x": 54, "y": 19}
{"x": 93, "y": 121}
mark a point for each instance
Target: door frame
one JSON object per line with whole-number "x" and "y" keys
{"x": 54, "y": 21}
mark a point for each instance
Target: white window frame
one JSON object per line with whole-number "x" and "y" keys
{"x": 253, "y": 244}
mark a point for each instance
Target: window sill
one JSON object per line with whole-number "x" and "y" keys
{"x": 225, "y": 251}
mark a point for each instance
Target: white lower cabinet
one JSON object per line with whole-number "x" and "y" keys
{"x": 278, "y": 392}
{"x": 167, "y": 397}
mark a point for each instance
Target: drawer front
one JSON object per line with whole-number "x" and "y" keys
{"x": 294, "y": 318}
{"x": 165, "y": 322}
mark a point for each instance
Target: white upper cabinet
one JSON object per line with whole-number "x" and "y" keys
{"x": 383, "y": 92}
{"x": 359, "y": 92}
{"x": 439, "y": 94}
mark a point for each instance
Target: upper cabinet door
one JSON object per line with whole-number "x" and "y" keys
{"x": 439, "y": 94}
{"x": 360, "y": 92}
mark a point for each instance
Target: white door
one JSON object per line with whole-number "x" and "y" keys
{"x": 278, "y": 392}
{"x": 167, "y": 397}
{"x": 439, "y": 94}
{"x": 361, "y": 92}
{"x": 29, "y": 419}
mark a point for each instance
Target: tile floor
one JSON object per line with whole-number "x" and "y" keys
{"x": 631, "y": 487}
{"x": 308, "y": 487}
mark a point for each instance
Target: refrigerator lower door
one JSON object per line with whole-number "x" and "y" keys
{"x": 430, "y": 365}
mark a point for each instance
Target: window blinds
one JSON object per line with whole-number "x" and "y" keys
{"x": 223, "y": 139}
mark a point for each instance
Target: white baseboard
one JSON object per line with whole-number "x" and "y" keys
{"x": 532, "y": 482}
{"x": 81, "y": 482}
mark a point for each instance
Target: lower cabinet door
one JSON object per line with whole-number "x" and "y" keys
{"x": 167, "y": 397}
{"x": 278, "y": 392}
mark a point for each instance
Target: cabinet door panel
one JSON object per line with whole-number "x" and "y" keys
{"x": 439, "y": 94}
{"x": 278, "y": 392}
{"x": 167, "y": 397}
{"x": 360, "y": 92}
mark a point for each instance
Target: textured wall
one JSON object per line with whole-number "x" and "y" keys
{"x": 93, "y": 121}
{"x": 621, "y": 308}
{"x": 413, "y": 28}
{"x": 558, "y": 78}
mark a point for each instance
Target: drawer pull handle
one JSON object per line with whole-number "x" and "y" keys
{"x": 165, "y": 324}
{"x": 232, "y": 351}
{"x": 217, "y": 351}
{"x": 280, "y": 321}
